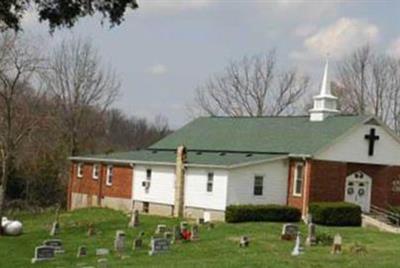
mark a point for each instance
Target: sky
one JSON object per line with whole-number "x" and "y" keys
{"x": 166, "y": 49}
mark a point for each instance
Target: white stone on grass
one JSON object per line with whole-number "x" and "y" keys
{"x": 12, "y": 228}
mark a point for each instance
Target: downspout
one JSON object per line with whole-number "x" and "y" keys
{"x": 100, "y": 197}
{"x": 306, "y": 188}
{"x": 71, "y": 178}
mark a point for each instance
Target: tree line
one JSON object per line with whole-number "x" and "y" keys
{"x": 366, "y": 82}
{"x": 54, "y": 106}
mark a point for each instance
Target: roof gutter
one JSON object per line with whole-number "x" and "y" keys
{"x": 117, "y": 161}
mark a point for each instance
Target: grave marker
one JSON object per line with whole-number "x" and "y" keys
{"x": 82, "y": 252}
{"x": 297, "y": 250}
{"x": 244, "y": 241}
{"x": 102, "y": 251}
{"x": 311, "y": 236}
{"x": 337, "y": 244}
{"x": 43, "y": 253}
{"x": 134, "y": 219}
{"x": 159, "y": 245}
{"x": 138, "y": 242}
{"x": 289, "y": 231}
{"x": 195, "y": 232}
{"x": 161, "y": 229}
{"x": 102, "y": 263}
{"x": 56, "y": 244}
{"x": 119, "y": 242}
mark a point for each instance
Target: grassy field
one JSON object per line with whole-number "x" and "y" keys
{"x": 216, "y": 248}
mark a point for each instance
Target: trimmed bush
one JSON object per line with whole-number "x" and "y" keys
{"x": 335, "y": 213}
{"x": 275, "y": 213}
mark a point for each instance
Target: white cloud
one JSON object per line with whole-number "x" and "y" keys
{"x": 304, "y": 30}
{"x": 337, "y": 39}
{"x": 158, "y": 69}
{"x": 394, "y": 48}
{"x": 173, "y": 5}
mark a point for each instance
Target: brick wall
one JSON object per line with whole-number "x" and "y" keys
{"x": 328, "y": 180}
{"x": 121, "y": 183}
{"x": 294, "y": 201}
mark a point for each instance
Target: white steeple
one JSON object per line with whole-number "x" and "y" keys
{"x": 325, "y": 103}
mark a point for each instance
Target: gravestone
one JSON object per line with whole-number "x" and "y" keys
{"x": 177, "y": 233}
{"x": 311, "y": 236}
{"x": 337, "y": 244}
{"x": 134, "y": 219}
{"x": 158, "y": 245}
{"x": 169, "y": 236}
{"x": 43, "y": 253}
{"x": 56, "y": 244}
{"x": 244, "y": 241}
{"x": 102, "y": 263}
{"x": 91, "y": 230}
{"x": 82, "y": 252}
{"x": 161, "y": 229}
{"x": 200, "y": 221}
{"x": 138, "y": 242}
{"x": 289, "y": 231}
{"x": 195, "y": 232}
{"x": 102, "y": 251}
{"x": 55, "y": 228}
{"x": 119, "y": 242}
{"x": 297, "y": 250}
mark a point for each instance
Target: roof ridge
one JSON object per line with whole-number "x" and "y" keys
{"x": 273, "y": 116}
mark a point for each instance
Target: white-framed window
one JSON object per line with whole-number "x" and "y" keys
{"x": 109, "y": 176}
{"x": 148, "y": 174}
{"x": 79, "y": 170}
{"x": 258, "y": 185}
{"x": 147, "y": 182}
{"x": 210, "y": 181}
{"x": 96, "y": 171}
{"x": 298, "y": 179}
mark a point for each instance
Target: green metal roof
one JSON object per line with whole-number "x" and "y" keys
{"x": 242, "y": 139}
{"x": 169, "y": 157}
{"x": 295, "y": 135}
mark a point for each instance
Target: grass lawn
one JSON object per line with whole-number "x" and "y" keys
{"x": 216, "y": 248}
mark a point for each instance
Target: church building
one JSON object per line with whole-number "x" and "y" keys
{"x": 214, "y": 162}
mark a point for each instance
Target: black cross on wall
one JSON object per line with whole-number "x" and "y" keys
{"x": 371, "y": 137}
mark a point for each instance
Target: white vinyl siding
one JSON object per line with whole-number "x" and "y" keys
{"x": 275, "y": 177}
{"x": 162, "y": 189}
{"x": 258, "y": 185}
{"x": 196, "y": 194}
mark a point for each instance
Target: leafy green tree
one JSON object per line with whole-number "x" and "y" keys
{"x": 62, "y": 13}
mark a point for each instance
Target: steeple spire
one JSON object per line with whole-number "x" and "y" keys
{"x": 325, "y": 87}
{"x": 325, "y": 103}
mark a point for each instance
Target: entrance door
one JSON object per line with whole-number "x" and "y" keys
{"x": 358, "y": 190}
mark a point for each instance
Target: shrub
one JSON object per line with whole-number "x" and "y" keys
{"x": 335, "y": 213}
{"x": 276, "y": 213}
{"x": 324, "y": 239}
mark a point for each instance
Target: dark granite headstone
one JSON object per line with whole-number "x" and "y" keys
{"x": 43, "y": 253}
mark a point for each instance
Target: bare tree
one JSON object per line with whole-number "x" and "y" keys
{"x": 252, "y": 86}
{"x": 82, "y": 90}
{"x": 369, "y": 83}
{"x": 19, "y": 63}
